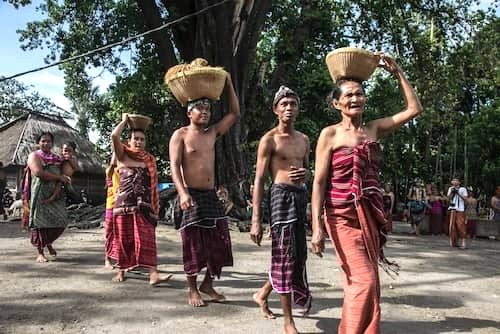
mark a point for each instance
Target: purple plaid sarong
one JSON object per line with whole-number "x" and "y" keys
{"x": 289, "y": 248}
{"x": 205, "y": 234}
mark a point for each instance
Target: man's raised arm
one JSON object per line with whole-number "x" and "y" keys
{"x": 234, "y": 110}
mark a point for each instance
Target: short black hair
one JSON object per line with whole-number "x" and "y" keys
{"x": 70, "y": 144}
{"x": 45, "y": 133}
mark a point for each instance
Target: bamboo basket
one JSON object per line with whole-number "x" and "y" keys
{"x": 189, "y": 82}
{"x": 354, "y": 63}
{"x": 136, "y": 121}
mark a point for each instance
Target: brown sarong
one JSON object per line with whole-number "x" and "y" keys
{"x": 457, "y": 226}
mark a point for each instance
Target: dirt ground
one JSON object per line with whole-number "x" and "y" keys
{"x": 439, "y": 290}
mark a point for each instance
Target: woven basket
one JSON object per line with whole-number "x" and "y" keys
{"x": 136, "y": 121}
{"x": 196, "y": 83}
{"x": 351, "y": 63}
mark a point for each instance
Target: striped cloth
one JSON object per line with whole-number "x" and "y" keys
{"x": 205, "y": 213}
{"x": 289, "y": 248}
{"x": 205, "y": 234}
{"x": 355, "y": 221}
{"x": 131, "y": 240}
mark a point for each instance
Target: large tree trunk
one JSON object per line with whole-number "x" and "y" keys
{"x": 226, "y": 36}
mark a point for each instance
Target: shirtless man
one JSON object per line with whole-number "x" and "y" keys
{"x": 203, "y": 226}
{"x": 284, "y": 154}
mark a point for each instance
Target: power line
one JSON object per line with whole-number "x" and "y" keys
{"x": 112, "y": 45}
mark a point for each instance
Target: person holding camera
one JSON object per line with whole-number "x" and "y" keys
{"x": 457, "y": 219}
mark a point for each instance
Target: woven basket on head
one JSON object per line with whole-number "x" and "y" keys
{"x": 351, "y": 63}
{"x": 189, "y": 82}
{"x": 136, "y": 121}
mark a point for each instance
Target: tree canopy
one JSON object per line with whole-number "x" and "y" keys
{"x": 448, "y": 49}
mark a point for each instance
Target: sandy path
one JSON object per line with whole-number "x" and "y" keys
{"x": 439, "y": 290}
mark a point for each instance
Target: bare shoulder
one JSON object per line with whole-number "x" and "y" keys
{"x": 302, "y": 136}
{"x": 180, "y": 131}
{"x": 179, "y": 134}
{"x": 269, "y": 135}
{"x": 268, "y": 140}
{"x": 33, "y": 156}
{"x": 329, "y": 131}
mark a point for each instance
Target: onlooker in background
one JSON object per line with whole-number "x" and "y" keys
{"x": 495, "y": 204}
{"x": 471, "y": 215}
{"x": 436, "y": 212}
{"x": 416, "y": 205}
{"x": 3, "y": 184}
{"x": 388, "y": 198}
{"x": 457, "y": 196}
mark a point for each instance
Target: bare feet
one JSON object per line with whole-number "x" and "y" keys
{"x": 289, "y": 328}
{"x": 155, "y": 278}
{"x": 209, "y": 290}
{"x": 41, "y": 258}
{"x": 107, "y": 264}
{"x": 119, "y": 277}
{"x": 264, "y": 308}
{"x": 194, "y": 298}
{"x": 51, "y": 250}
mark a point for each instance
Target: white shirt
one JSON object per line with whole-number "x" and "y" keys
{"x": 456, "y": 202}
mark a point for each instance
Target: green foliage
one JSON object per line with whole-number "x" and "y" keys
{"x": 17, "y": 98}
{"x": 448, "y": 51}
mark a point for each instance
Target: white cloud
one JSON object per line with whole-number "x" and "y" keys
{"x": 44, "y": 78}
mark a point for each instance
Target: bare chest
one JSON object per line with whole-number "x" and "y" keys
{"x": 199, "y": 145}
{"x": 290, "y": 149}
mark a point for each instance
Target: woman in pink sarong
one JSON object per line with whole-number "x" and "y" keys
{"x": 346, "y": 186}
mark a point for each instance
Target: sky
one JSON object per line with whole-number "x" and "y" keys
{"x": 48, "y": 82}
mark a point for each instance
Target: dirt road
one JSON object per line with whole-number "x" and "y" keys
{"x": 440, "y": 290}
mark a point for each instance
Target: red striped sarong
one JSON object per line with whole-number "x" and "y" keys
{"x": 355, "y": 222}
{"x": 132, "y": 242}
{"x": 130, "y": 235}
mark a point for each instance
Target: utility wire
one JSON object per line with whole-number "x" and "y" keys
{"x": 112, "y": 45}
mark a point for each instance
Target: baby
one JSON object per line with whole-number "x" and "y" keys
{"x": 68, "y": 167}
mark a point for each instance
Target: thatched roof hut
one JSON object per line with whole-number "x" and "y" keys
{"x": 18, "y": 140}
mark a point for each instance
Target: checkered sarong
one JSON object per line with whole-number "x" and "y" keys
{"x": 289, "y": 247}
{"x": 205, "y": 213}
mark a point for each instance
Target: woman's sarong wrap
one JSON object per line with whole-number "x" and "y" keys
{"x": 205, "y": 234}
{"x": 131, "y": 240}
{"x": 47, "y": 221}
{"x": 356, "y": 224}
{"x": 289, "y": 248}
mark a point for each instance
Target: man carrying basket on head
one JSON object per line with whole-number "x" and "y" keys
{"x": 201, "y": 219}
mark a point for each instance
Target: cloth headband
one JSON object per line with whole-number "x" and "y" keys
{"x": 282, "y": 92}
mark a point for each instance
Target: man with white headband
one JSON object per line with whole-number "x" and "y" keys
{"x": 200, "y": 216}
